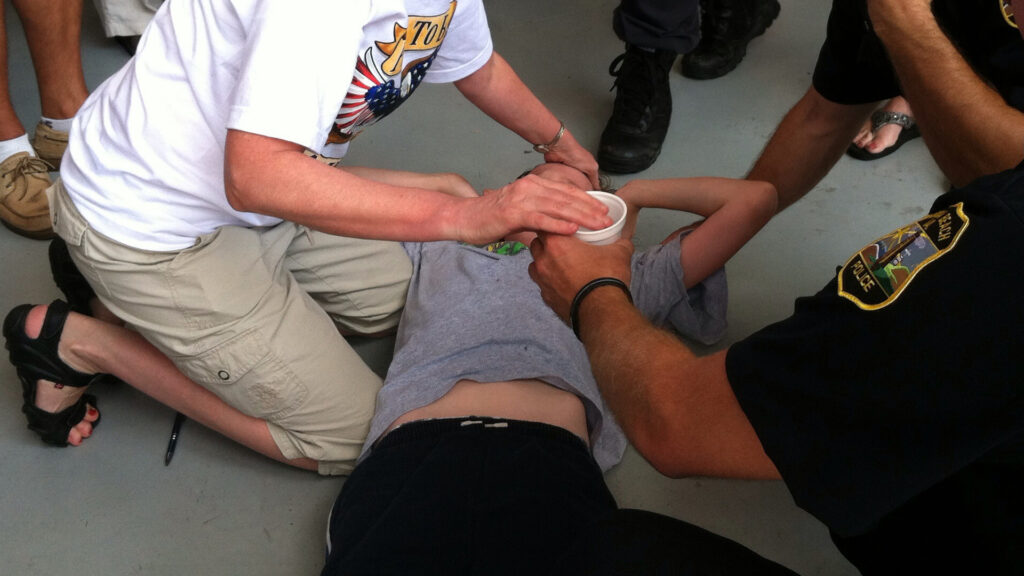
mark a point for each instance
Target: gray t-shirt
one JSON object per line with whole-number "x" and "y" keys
{"x": 475, "y": 314}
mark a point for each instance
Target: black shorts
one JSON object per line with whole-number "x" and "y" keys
{"x": 853, "y": 67}
{"x": 487, "y": 496}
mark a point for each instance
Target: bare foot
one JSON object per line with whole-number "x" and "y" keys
{"x": 885, "y": 136}
{"x": 54, "y": 397}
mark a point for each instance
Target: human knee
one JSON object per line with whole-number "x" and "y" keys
{"x": 335, "y": 450}
{"x": 819, "y": 115}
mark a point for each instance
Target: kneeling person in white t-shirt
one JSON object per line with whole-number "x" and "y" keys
{"x": 189, "y": 203}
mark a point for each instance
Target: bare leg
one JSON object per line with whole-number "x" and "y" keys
{"x": 89, "y": 345}
{"x": 10, "y": 126}
{"x": 53, "y": 29}
{"x": 807, "y": 144}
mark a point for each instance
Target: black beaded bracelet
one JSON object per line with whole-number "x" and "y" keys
{"x": 574, "y": 309}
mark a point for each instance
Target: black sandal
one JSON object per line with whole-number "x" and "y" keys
{"x": 37, "y": 359}
{"x": 69, "y": 279}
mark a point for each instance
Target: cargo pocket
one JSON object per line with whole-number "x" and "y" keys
{"x": 246, "y": 374}
{"x": 221, "y": 279}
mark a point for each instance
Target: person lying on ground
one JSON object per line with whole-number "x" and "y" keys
{"x": 486, "y": 450}
{"x": 58, "y": 352}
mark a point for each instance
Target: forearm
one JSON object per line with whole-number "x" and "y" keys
{"x": 677, "y": 409}
{"x": 702, "y": 196}
{"x": 734, "y": 210}
{"x": 968, "y": 127}
{"x": 446, "y": 182}
{"x": 807, "y": 144}
{"x": 629, "y": 358}
{"x": 498, "y": 92}
{"x": 274, "y": 177}
{"x": 283, "y": 182}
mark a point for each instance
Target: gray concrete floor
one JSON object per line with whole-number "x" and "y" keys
{"x": 111, "y": 507}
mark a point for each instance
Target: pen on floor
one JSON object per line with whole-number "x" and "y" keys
{"x": 179, "y": 419}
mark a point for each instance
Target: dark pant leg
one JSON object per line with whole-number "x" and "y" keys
{"x": 970, "y": 523}
{"x": 642, "y": 543}
{"x": 672, "y": 25}
{"x": 852, "y": 66}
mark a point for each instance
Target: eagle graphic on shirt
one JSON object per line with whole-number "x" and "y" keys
{"x": 383, "y": 79}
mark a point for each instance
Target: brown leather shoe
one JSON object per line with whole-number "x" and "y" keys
{"x": 23, "y": 205}
{"x": 50, "y": 144}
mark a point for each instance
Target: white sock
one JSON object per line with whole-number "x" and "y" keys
{"x": 9, "y": 148}
{"x": 63, "y": 125}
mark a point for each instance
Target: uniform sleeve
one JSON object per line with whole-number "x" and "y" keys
{"x": 862, "y": 407}
{"x": 297, "y": 67}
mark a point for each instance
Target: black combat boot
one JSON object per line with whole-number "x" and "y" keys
{"x": 726, "y": 27}
{"x": 643, "y": 107}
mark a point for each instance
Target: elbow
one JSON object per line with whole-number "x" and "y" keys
{"x": 662, "y": 451}
{"x": 672, "y": 431}
{"x": 235, "y": 198}
{"x": 674, "y": 447}
{"x": 765, "y": 199}
{"x": 665, "y": 463}
{"x": 660, "y": 436}
{"x": 238, "y": 189}
{"x": 251, "y": 163}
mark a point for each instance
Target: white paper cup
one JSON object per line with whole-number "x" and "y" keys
{"x": 616, "y": 211}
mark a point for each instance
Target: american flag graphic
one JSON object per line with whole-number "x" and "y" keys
{"x": 372, "y": 95}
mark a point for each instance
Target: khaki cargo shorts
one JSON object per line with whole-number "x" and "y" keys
{"x": 252, "y": 314}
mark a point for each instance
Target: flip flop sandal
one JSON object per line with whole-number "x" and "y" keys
{"x": 37, "y": 359}
{"x": 68, "y": 278}
{"x": 881, "y": 118}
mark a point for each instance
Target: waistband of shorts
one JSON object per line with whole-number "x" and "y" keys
{"x": 438, "y": 427}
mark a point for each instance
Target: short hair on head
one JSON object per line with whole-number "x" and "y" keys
{"x": 604, "y": 181}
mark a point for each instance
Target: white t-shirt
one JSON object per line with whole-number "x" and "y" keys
{"x": 145, "y": 164}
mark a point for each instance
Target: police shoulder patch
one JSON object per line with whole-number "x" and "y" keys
{"x": 874, "y": 277}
